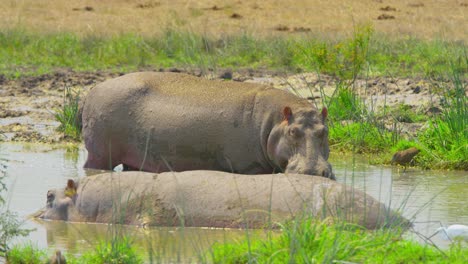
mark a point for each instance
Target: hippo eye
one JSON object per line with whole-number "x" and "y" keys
{"x": 321, "y": 132}
{"x": 295, "y": 132}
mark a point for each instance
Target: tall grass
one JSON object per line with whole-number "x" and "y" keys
{"x": 353, "y": 125}
{"x": 26, "y": 53}
{"x": 26, "y": 254}
{"x": 10, "y": 224}
{"x": 67, "y": 115}
{"x": 311, "y": 241}
{"x": 119, "y": 250}
{"x": 446, "y": 139}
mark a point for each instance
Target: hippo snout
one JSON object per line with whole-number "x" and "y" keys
{"x": 324, "y": 169}
{"x": 327, "y": 173}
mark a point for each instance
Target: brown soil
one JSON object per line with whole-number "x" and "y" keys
{"x": 27, "y": 105}
{"x": 425, "y": 19}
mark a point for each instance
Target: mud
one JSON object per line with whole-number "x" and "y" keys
{"x": 28, "y": 104}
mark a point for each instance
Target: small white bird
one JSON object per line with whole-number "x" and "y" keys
{"x": 453, "y": 232}
{"x": 119, "y": 168}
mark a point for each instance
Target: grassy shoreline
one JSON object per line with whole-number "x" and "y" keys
{"x": 301, "y": 241}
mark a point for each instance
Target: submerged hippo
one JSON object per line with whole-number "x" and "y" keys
{"x": 212, "y": 199}
{"x": 159, "y": 122}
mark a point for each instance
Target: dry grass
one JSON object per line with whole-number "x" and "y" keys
{"x": 427, "y": 19}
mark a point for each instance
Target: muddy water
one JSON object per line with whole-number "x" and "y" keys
{"x": 428, "y": 197}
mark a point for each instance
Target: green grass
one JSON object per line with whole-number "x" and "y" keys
{"x": 10, "y": 222}
{"x": 26, "y": 254}
{"x": 116, "y": 251}
{"x": 309, "y": 241}
{"x": 360, "y": 137}
{"x": 67, "y": 115}
{"x": 405, "y": 113}
{"x": 445, "y": 142}
{"x": 27, "y": 53}
{"x": 119, "y": 251}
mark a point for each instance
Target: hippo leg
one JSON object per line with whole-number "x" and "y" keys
{"x": 99, "y": 162}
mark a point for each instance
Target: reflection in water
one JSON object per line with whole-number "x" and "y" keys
{"x": 33, "y": 169}
{"x": 170, "y": 244}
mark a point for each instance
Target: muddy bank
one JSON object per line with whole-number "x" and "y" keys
{"x": 28, "y": 104}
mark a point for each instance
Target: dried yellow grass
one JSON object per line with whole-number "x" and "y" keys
{"x": 428, "y": 19}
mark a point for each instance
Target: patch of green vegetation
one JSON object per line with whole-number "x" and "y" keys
{"x": 414, "y": 57}
{"x": 116, "y": 251}
{"x": 446, "y": 139}
{"x": 309, "y": 241}
{"x": 10, "y": 225}
{"x": 406, "y": 114}
{"x": 360, "y": 137}
{"x": 354, "y": 127}
{"x": 345, "y": 104}
{"x": 28, "y": 53}
{"x": 442, "y": 144}
{"x": 343, "y": 58}
{"x": 28, "y": 253}
{"x": 67, "y": 116}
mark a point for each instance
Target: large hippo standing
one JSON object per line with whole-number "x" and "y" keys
{"x": 212, "y": 199}
{"x": 159, "y": 122}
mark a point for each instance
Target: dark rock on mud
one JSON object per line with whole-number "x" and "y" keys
{"x": 236, "y": 16}
{"x": 385, "y": 17}
{"x": 12, "y": 113}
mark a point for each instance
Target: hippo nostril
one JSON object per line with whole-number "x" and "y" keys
{"x": 328, "y": 174}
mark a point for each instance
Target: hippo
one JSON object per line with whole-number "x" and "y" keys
{"x": 213, "y": 199}
{"x": 161, "y": 121}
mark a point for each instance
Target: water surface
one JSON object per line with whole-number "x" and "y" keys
{"x": 428, "y": 197}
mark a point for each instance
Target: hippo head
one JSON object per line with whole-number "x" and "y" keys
{"x": 58, "y": 203}
{"x": 299, "y": 143}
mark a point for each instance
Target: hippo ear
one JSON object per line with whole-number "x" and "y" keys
{"x": 287, "y": 113}
{"x": 71, "y": 184}
{"x": 324, "y": 113}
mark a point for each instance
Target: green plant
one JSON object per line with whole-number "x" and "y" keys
{"x": 360, "y": 137}
{"x": 26, "y": 254}
{"x": 345, "y": 58}
{"x": 345, "y": 104}
{"x": 116, "y": 251}
{"x": 447, "y": 136}
{"x": 10, "y": 225}
{"x": 311, "y": 241}
{"x": 67, "y": 115}
{"x": 405, "y": 113}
